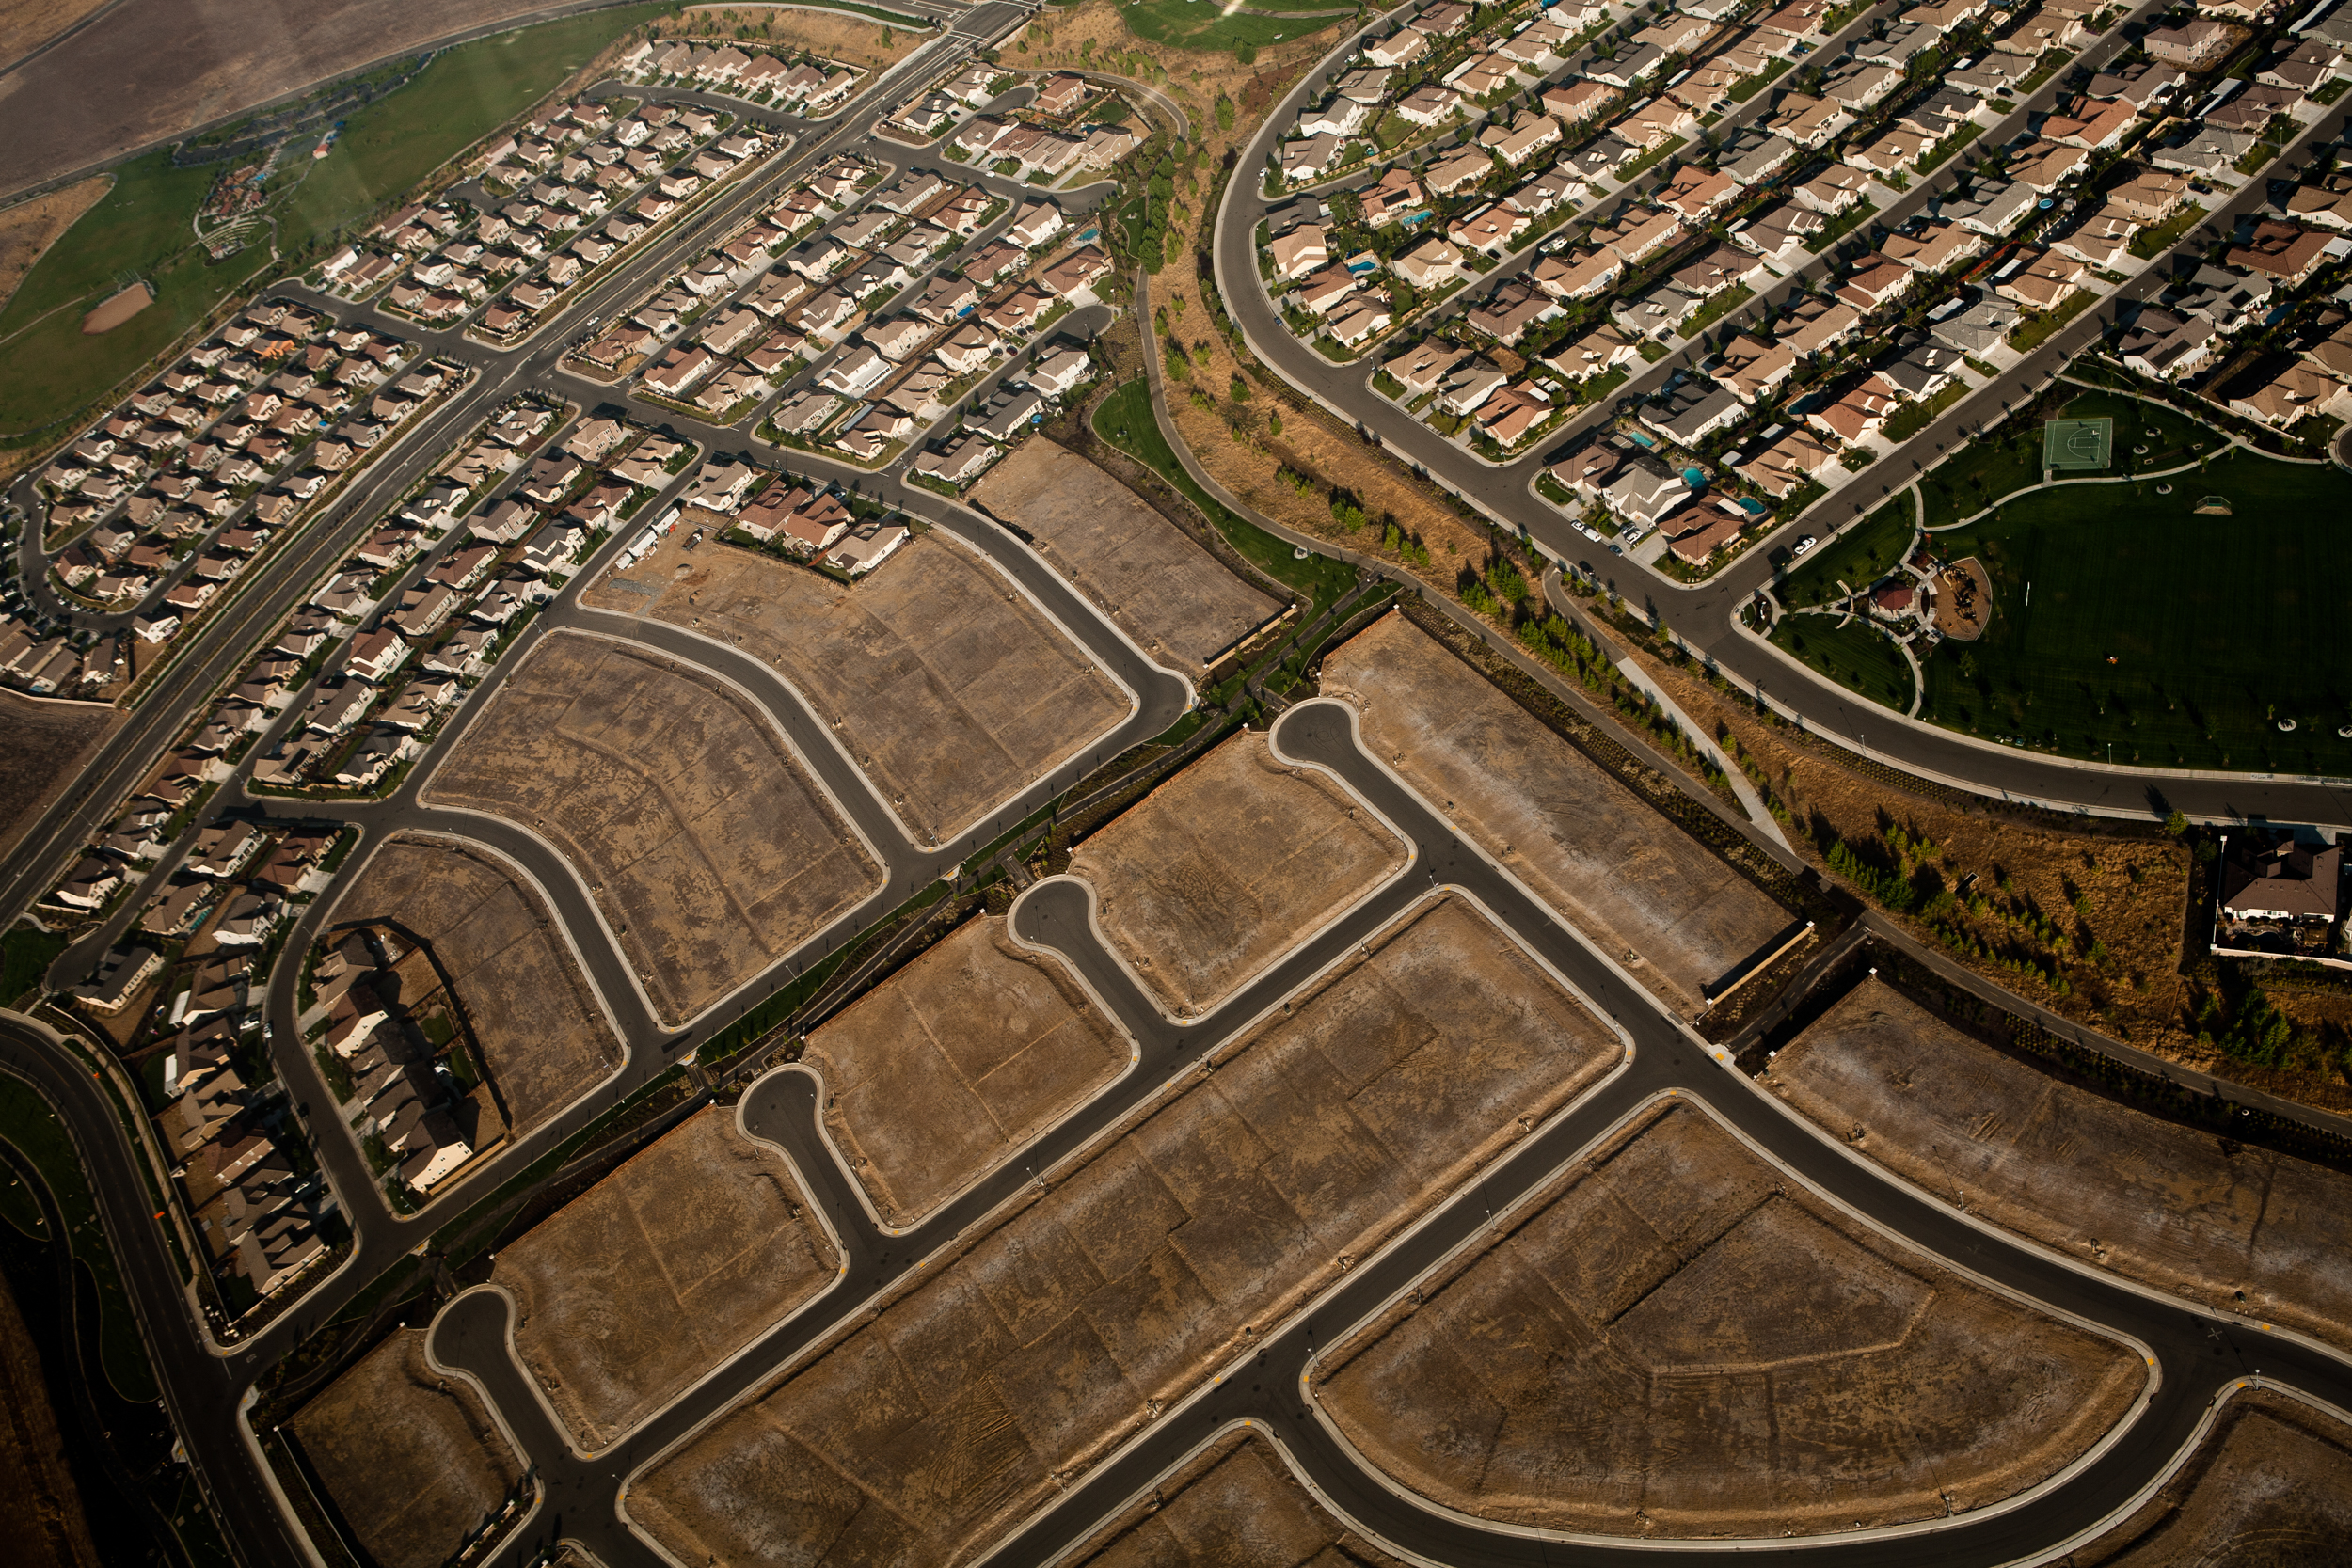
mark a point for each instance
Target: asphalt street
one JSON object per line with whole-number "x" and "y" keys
{"x": 1703, "y": 615}
{"x": 2197, "y": 1354}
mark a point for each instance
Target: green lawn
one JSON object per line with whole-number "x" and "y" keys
{"x": 50, "y": 374}
{"x": 1126, "y": 421}
{"x": 2217, "y": 627}
{"x": 1984, "y": 471}
{"x": 1858, "y": 557}
{"x": 1855, "y": 655}
{"x": 1204, "y": 24}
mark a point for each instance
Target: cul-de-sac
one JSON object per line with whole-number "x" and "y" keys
{"x": 1173, "y": 783}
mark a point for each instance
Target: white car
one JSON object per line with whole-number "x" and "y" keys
{"x": 1803, "y": 544}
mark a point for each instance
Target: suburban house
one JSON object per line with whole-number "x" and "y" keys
{"x": 2275, "y": 874}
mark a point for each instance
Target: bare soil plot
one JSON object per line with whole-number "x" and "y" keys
{"x": 925, "y": 1432}
{"x": 711, "y": 851}
{"x": 1623, "y": 875}
{"x": 2238, "y": 1227}
{"x": 1163, "y": 589}
{"x": 411, "y": 1458}
{"x": 118, "y": 307}
{"x": 1227, "y": 866}
{"x": 27, "y": 25}
{"x": 2271, "y": 1487}
{"x": 171, "y": 65}
{"x": 31, "y": 227}
{"x": 950, "y": 689}
{"x": 937, "y": 1076}
{"x": 1235, "y": 1506}
{"x": 828, "y": 33}
{"x": 545, "y": 1039}
{"x": 1672, "y": 1345}
{"x": 42, "y": 745}
{"x": 634, "y": 1289}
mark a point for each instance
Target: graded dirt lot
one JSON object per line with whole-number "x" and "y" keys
{"x": 1235, "y": 1506}
{"x": 2167, "y": 1205}
{"x": 947, "y": 685}
{"x": 2271, "y": 1487}
{"x": 924, "y": 1433}
{"x": 710, "y": 850}
{"x": 1177, "y": 601}
{"x": 1620, "y": 873}
{"x": 1670, "y": 1344}
{"x": 42, "y": 745}
{"x": 1227, "y": 866}
{"x": 944, "y": 1070}
{"x": 657, "y": 1274}
{"x": 30, "y": 227}
{"x": 171, "y": 65}
{"x": 410, "y": 1457}
{"x": 539, "y": 1024}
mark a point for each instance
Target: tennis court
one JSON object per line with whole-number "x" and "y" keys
{"x": 2077, "y": 444}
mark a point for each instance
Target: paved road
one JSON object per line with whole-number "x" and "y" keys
{"x": 1703, "y": 615}
{"x": 2197, "y": 1354}
{"x": 198, "y": 1397}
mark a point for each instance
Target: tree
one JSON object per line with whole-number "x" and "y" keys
{"x": 1245, "y": 52}
{"x": 1224, "y": 113}
{"x": 2177, "y": 824}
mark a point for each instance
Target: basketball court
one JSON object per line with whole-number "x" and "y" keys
{"x": 2077, "y": 444}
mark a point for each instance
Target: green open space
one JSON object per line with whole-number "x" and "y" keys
{"x": 2069, "y": 445}
{"x": 2178, "y": 640}
{"x": 1127, "y": 421}
{"x": 1858, "y": 557}
{"x": 29, "y": 1124}
{"x": 1983, "y": 471}
{"x": 1204, "y": 24}
{"x": 50, "y": 373}
{"x": 1853, "y": 652}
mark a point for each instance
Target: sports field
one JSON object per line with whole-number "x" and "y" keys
{"x": 2077, "y": 444}
{"x": 2126, "y": 620}
{"x": 50, "y": 371}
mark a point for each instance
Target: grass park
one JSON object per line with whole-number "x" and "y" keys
{"x": 50, "y": 373}
{"x": 2127, "y": 624}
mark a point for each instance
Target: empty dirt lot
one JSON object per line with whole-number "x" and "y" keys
{"x": 2169, "y": 1205}
{"x": 925, "y": 1432}
{"x": 42, "y": 745}
{"x": 1235, "y": 1506}
{"x": 1622, "y": 873}
{"x": 1177, "y": 601}
{"x": 1670, "y": 1345}
{"x": 950, "y": 689}
{"x": 705, "y": 842}
{"x": 539, "y": 1023}
{"x": 938, "y": 1075}
{"x": 1225, "y": 867}
{"x": 660, "y": 1271}
{"x": 411, "y": 1458}
{"x": 2271, "y": 1487}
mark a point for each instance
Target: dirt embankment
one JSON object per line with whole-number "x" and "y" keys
{"x": 41, "y": 746}
{"x": 27, "y": 25}
{"x": 1245, "y": 445}
{"x": 846, "y": 39}
{"x": 41, "y": 1509}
